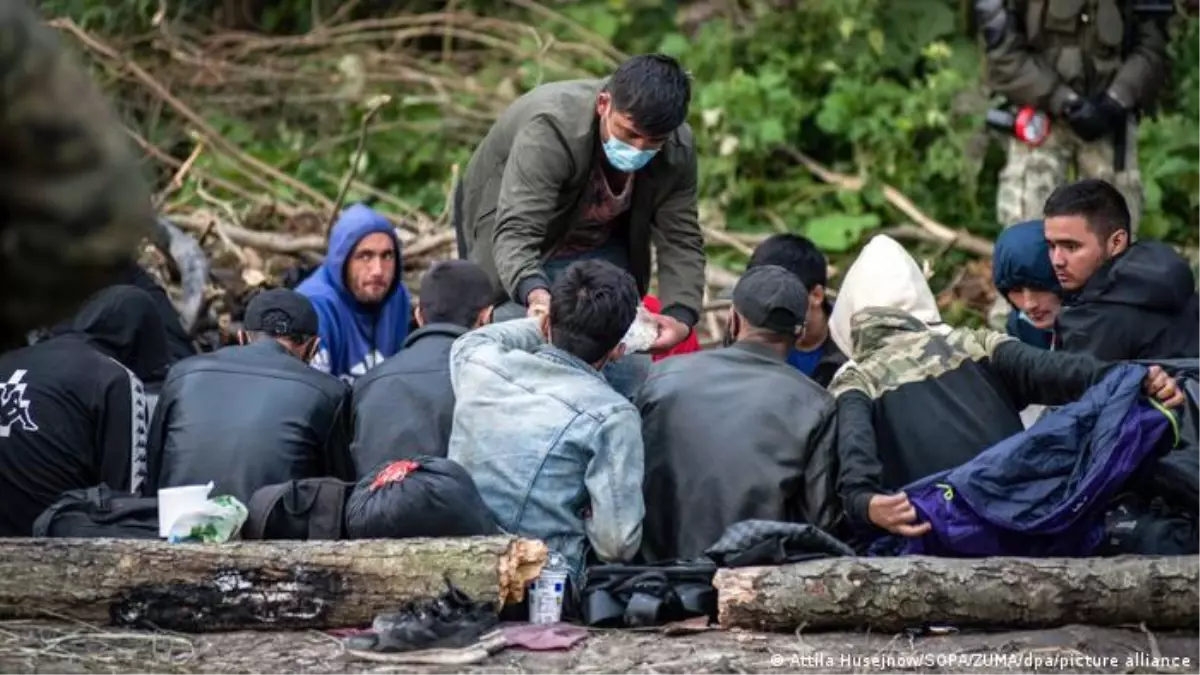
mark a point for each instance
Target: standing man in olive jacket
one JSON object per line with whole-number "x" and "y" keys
{"x": 589, "y": 169}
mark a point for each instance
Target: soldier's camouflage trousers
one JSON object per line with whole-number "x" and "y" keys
{"x": 1031, "y": 174}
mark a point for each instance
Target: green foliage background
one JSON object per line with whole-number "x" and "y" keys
{"x": 885, "y": 89}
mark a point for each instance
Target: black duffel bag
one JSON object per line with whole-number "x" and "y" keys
{"x": 99, "y": 512}
{"x": 419, "y": 497}
{"x": 305, "y": 509}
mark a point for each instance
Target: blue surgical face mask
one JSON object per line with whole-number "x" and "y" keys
{"x": 624, "y": 157}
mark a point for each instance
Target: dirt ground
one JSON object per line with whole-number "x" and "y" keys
{"x": 39, "y": 647}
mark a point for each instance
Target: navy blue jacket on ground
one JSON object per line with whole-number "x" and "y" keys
{"x": 1044, "y": 492}
{"x": 1175, "y": 476}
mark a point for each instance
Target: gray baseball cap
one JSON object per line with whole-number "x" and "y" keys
{"x": 772, "y": 298}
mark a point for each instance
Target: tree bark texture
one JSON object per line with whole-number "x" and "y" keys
{"x": 890, "y": 594}
{"x": 248, "y": 585}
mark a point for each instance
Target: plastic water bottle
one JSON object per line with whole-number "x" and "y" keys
{"x": 546, "y": 593}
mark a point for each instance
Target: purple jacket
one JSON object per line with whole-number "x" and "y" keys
{"x": 1043, "y": 492}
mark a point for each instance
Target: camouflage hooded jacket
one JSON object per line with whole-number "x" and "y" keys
{"x": 914, "y": 401}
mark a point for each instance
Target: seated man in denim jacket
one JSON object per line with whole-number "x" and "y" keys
{"x": 555, "y": 451}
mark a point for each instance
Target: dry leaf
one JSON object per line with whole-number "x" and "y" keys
{"x": 253, "y": 277}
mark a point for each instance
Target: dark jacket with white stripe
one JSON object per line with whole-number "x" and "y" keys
{"x": 73, "y": 410}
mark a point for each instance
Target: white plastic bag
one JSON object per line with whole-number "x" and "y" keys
{"x": 218, "y": 521}
{"x": 642, "y": 332}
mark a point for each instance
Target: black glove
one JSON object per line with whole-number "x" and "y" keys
{"x": 1094, "y": 118}
{"x": 1085, "y": 119}
{"x": 1114, "y": 113}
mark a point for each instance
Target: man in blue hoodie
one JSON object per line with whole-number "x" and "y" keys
{"x": 1024, "y": 276}
{"x": 359, "y": 295}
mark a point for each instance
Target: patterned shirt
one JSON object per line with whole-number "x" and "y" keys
{"x": 599, "y": 212}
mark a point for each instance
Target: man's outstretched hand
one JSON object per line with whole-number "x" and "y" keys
{"x": 895, "y": 514}
{"x": 1163, "y": 388}
{"x": 671, "y": 331}
{"x": 538, "y": 303}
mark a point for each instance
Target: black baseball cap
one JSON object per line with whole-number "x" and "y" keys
{"x": 772, "y": 298}
{"x": 281, "y": 311}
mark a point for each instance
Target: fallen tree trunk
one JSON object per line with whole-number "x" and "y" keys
{"x": 891, "y": 594}
{"x": 253, "y": 585}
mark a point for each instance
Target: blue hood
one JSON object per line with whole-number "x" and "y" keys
{"x": 1022, "y": 259}
{"x": 355, "y": 338}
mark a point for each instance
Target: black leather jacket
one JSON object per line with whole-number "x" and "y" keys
{"x": 246, "y": 417}
{"x": 733, "y": 434}
{"x": 405, "y": 406}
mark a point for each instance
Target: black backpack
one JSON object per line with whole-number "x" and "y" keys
{"x": 99, "y": 512}
{"x": 638, "y": 596}
{"x": 1140, "y": 525}
{"x": 307, "y": 509}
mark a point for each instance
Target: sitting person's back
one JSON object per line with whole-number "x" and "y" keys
{"x": 253, "y": 415}
{"x": 738, "y": 433}
{"x": 73, "y": 409}
{"x": 405, "y": 407}
{"x": 555, "y": 451}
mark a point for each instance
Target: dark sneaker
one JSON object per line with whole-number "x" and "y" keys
{"x": 451, "y": 621}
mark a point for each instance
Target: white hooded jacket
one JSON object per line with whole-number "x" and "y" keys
{"x": 883, "y": 275}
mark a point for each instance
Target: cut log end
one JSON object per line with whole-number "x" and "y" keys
{"x": 519, "y": 565}
{"x": 737, "y": 588}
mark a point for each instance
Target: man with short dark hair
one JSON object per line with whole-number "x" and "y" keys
{"x": 814, "y": 353}
{"x": 590, "y": 169}
{"x": 555, "y": 451}
{"x": 256, "y": 414}
{"x": 358, "y": 293}
{"x": 405, "y": 407}
{"x": 1125, "y": 300}
{"x": 737, "y": 433}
